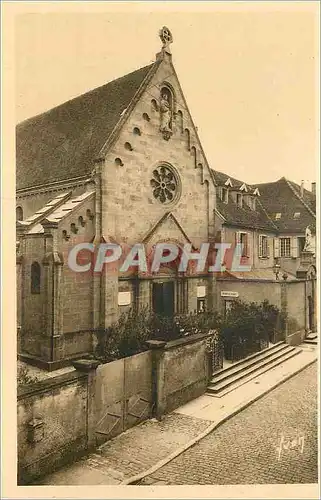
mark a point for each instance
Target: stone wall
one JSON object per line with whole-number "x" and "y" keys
{"x": 63, "y": 417}
{"x": 51, "y": 424}
{"x": 186, "y": 370}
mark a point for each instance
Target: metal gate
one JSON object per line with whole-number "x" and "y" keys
{"x": 123, "y": 395}
{"x": 216, "y": 350}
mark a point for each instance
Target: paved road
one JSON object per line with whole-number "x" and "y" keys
{"x": 272, "y": 441}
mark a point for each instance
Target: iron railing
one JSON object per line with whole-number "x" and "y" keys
{"x": 245, "y": 347}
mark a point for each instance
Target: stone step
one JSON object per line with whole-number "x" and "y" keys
{"x": 252, "y": 371}
{"x": 312, "y": 336}
{"x": 254, "y": 375}
{"x": 244, "y": 364}
{"x": 309, "y": 341}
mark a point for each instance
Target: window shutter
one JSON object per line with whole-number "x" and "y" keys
{"x": 267, "y": 246}
{"x": 294, "y": 247}
{"x": 276, "y": 247}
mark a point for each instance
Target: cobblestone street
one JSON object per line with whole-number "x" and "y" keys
{"x": 274, "y": 440}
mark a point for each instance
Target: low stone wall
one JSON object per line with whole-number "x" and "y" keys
{"x": 51, "y": 424}
{"x": 63, "y": 417}
{"x": 186, "y": 370}
{"x": 296, "y": 338}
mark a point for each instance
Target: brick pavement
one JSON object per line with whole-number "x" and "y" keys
{"x": 130, "y": 453}
{"x": 245, "y": 449}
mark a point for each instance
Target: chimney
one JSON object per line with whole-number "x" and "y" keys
{"x": 313, "y": 187}
{"x": 302, "y": 189}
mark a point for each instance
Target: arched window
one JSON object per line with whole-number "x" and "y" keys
{"x": 35, "y": 277}
{"x": 19, "y": 213}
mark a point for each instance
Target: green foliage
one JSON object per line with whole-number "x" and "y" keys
{"x": 252, "y": 322}
{"x": 129, "y": 334}
{"x": 24, "y": 377}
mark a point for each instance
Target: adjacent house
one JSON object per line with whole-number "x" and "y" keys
{"x": 272, "y": 222}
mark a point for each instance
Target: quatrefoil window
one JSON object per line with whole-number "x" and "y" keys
{"x": 164, "y": 184}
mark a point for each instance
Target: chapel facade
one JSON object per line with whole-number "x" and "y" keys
{"x": 122, "y": 164}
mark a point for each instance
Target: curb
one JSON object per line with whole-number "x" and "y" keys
{"x": 210, "y": 428}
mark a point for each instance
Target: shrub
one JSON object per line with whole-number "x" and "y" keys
{"x": 251, "y": 322}
{"x": 129, "y": 334}
{"x": 24, "y": 377}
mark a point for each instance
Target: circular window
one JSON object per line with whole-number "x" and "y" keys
{"x": 164, "y": 184}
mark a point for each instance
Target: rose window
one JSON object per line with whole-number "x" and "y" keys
{"x": 164, "y": 184}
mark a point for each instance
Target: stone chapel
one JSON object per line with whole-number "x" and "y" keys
{"x": 122, "y": 163}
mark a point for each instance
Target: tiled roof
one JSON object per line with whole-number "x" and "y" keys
{"x": 283, "y": 197}
{"x": 221, "y": 178}
{"x": 63, "y": 142}
{"x": 245, "y": 216}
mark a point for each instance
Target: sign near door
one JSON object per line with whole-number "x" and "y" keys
{"x": 226, "y": 293}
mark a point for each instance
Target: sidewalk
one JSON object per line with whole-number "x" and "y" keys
{"x": 143, "y": 449}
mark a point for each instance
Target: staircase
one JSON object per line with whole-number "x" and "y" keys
{"x": 311, "y": 338}
{"x": 227, "y": 379}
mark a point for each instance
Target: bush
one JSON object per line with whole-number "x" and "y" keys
{"x": 129, "y": 334}
{"x": 251, "y": 322}
{"x": 24, "y": 377}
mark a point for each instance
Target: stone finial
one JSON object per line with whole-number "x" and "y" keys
{"x": 166, "y": 37}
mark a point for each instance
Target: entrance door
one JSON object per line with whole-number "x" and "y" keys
{"x": 163, "y": 298}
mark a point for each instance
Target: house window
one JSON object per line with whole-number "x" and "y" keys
{"x": 301, "y": 243}
{"x": 252, "y": 203}
{"x": 239, "y": 200}
{"x": 263, "y": 246}
{"x": 224, "y": 195}
{"x": 285, "y": 247}
{"x": 278, "y": 216}
{"x": 35, "y": 277}
{"x": 19, "y": 213}
{"x": 242, "y": 239}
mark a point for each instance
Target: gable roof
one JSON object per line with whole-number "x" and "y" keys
{"x": 221, "y": 178}
{"x": 284, "y": 197}
{"x": 62, "y": 143}
{"x": 242, "y": 216}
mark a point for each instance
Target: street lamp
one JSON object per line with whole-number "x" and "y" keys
{"x": 276, "y": 270}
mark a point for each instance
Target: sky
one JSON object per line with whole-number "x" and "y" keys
{"x": 248, "y": 73}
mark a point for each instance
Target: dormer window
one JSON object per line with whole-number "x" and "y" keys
{"x": 296, "y": 215}
{"x": 278, "y": 216}
{"x": 239, "y": 200}
{"x": 228, "y": 183}
{"x": 243, "y": 188}
{"x": 251, "y": 202}
{"x": 224, "y": 195}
